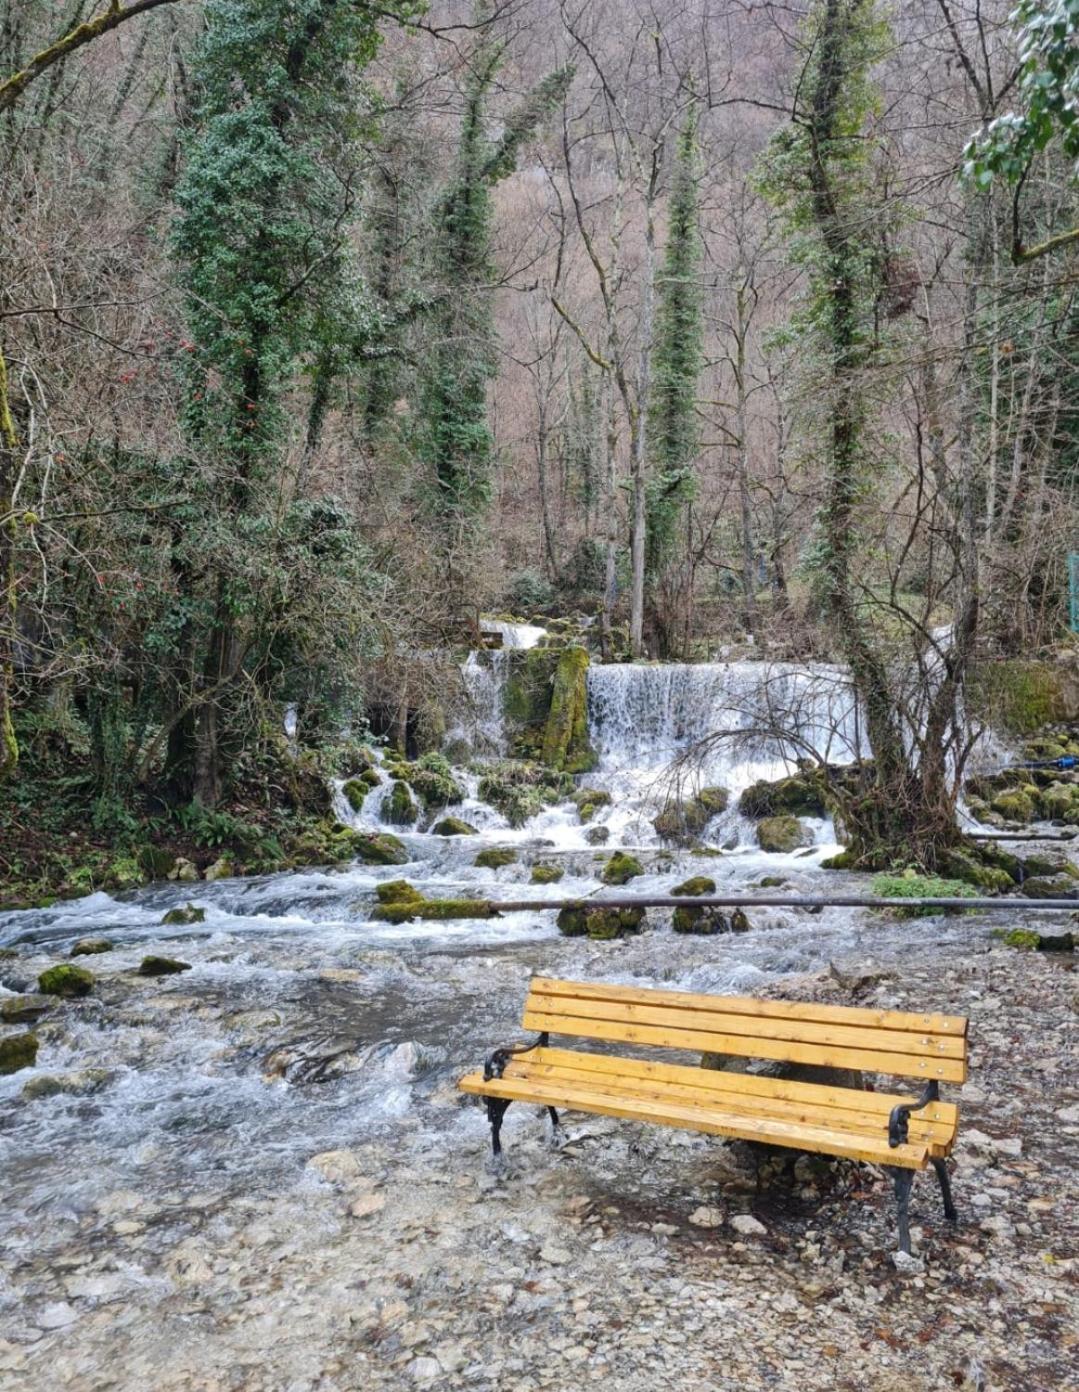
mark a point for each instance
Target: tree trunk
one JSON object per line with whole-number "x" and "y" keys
{"x": 9, "y": 443}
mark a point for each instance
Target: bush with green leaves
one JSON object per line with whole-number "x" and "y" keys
{"x": 911, "y": 885}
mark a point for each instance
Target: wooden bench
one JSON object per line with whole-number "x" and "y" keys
{"x": 903, "y": 1134}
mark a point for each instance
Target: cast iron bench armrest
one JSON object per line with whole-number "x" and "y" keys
{"x": 900, "y": 1116}
{"x": 495, "y": 1062}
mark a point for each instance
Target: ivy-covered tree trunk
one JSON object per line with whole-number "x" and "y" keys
{"x": 9, "y": 443}
{"x": 904, "y": 808}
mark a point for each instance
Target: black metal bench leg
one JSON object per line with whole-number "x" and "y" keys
{"x": 554, "y": 1135}
{"x": 496, "y": 1110}
{"x": 904, "y": 1179}
{"x": 941, "y": 1168}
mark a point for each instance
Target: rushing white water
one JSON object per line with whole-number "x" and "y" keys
{"x": 514, "y": 635}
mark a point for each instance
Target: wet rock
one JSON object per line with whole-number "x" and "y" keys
{"x": 91, "y": 947}
{"x": 78, "y": 1084}
{"x": 1050, "y": 887}
{"x": 183, "y": 870}
{"x": 547, "y": 874}
{"x": 781, "y": 834}
{"x": 453, "y": 826}
{"x": 1019, "y": 805}
{"x": 336, "y": 1166}
{"x": 494, "y": 858}
{"x": 588, "y": 801}
{"x": 417, "y": 906}
{"x": 379, "y": 848}
{"x": 621, "y": 868}
{"x": 17, "y": 1051}
{"x": 221, "y": 869}
{"x": 521, "y": 788}
{"x": 183, "y": 917}
{"x": 799, "y": 795}
{"x": 356, "y": 789}
{"x": 162, "y": 966}
{"x": 684, "y": 818}
{"x": 67, "y": 981}
{"x": 397, "y": 892}
{"x": 598, "y": 835}
{"x": 400, "y": 809}
{"x": 578, "y": 921}
{"x": 23, "y": 1010}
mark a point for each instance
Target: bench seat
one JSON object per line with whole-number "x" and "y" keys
{"x": 891, "y": 1129}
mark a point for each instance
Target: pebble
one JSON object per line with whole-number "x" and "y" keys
{"x": 709, "y": 1218}
{"x": 557, "y": 1256}
{"x": 748, "y": 1226}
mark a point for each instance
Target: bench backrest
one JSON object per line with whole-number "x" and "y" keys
{"x": 905, "y": 1045}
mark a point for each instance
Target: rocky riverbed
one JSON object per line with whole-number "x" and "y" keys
{"x": 257, "y": 1174}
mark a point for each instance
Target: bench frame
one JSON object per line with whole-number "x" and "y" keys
{"x": 499, "y": 1058}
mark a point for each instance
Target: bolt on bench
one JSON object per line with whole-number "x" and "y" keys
{"x": 900, "y": 1133}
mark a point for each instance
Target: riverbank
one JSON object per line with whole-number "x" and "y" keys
{"x": 280, "y": 1187}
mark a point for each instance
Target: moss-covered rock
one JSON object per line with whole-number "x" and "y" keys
{"x": 1021, "y": 696}
{"x": 399, "y": 809}
{"x": 494, "y": 858}
{"x": 356, "y": 789}
{"x": 397, "y": 892}
{"x": 842, "y": 860}
{"x": 379, "y": 848}
{"x": 420, "y": 907}
{"x": 971, "y": 869}
{"x": 91, "y": 947}
{"x": 1050, "y": 887}
{"x": 1029, "y": 940}
{"x": 17, "y": 1051}
{"x": 521, "y": 788}
{"x": 781, "y": 834}
{"x": 565, "y": 738}
{"x": 183, "y": 916}
{"x": 621, "y": 868}
{"x": 78, "y": 1084}
{"x": 684, "y": 818}
{"x": 588, "y": 801}
{"x": 162, "y": 966}
{"x": 547, "y": 874}
{"x": 65, "y": 980}
{"x": 183, "y": 870}
{"x": 1018, "y": 805}
{"x": 23, "y": 1010}
{"x": 697, "y": 885}
{"x": 453, "y": 826}
{"x": 579, "y": 921}
{"x": 123, "y": 873}
{"x": 221, "y": 869}
{"x": 800, "y": 795}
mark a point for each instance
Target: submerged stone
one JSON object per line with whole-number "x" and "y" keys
{"x": 547, "y": 874}
{"x": 683, "y": 818}
{"x": 697, "y": 885}
{"x": 65, "y": 980}
{"x": 181, "y": 917}
{"x": 78, "y": 1084}
{"x": 162, "y": 966}
{"x": 598, "y": 835}
{"x": 17, "y": 1051}
{"x": 379, "y": 848}
{"x": 621, "y": 868}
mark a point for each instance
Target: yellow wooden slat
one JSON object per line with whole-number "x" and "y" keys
{"x": 711, "y": 1121}
{"x": 927, "y": 1022}
{"x": 702, "y": 1041}
{"x": 876, "y": 1105}
{"x": 751, "y": 1027}
{"x": 797, "y": 1113}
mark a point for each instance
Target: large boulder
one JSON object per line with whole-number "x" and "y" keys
{"x": 546, "y": 707}
{"x": 162, "y": 966}
{"x": 23, "y": 1010}
{"x": 453, "y": 826}
{"x": 380, "y": 849}
{"x": 494, "y": 858}
{"x": 547, "y": 874}
{"x": 782, "y": 834}
{"x": 1017, "y": 805}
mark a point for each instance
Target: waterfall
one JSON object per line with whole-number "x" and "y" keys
{"x": 750, "y": 712}
{"x": 480, "y": 723}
